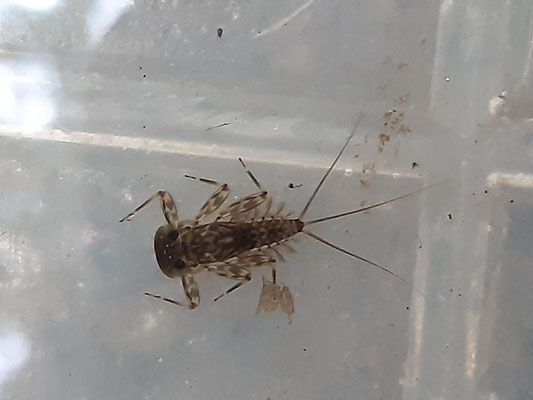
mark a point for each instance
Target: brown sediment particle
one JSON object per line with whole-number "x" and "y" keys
{"x": 383, "y": 138}
{"x": 404, "y": 129}
{"x": 402, "y": 65}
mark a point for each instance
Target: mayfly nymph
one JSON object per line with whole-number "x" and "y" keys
{"x": 230, "y": 240}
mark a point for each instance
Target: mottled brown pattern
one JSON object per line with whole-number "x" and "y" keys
{"x": 219, "y": 241}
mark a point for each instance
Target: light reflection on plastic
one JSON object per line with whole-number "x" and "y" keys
{"x": 7, "y": 95}
{"x": 103, "y": 16}
{"x": 38, "y": 5}
{"x": 14, "y": 353}
{"x": 26, "y": 94}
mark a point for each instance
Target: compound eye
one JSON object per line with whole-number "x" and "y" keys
{"x": 179, "y": 264}
{"x": 172, "y": 235}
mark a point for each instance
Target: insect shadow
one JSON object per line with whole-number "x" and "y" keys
{"x": 231, "y": 240}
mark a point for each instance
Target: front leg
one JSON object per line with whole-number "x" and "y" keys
{"x": 191, "y": 292}
{"x": 167, "y": 206}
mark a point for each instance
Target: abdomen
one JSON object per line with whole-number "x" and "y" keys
{"x": 220, "y": 241}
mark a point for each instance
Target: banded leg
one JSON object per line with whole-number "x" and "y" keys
{"x": 191, "y": 292}
{"x": 240, "y": 208}
{"x": 239, "y": 269}
{"x": 167, "y": 206}
{"x": 214, "y": 202}
{"x": 252, "y": 177}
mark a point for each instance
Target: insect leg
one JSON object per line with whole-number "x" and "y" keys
{"x": 167, "y": 206}
{"x": 240, "y": 208}
{"x": 239, "y": 269}
{"x": 252, "y": 177}
{"x": 214, "y": 202}
{"x": 233, "y": 288}
{"x": 191, "y": 291}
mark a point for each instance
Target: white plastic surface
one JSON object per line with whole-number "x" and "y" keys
{"x": 104, "y": 102}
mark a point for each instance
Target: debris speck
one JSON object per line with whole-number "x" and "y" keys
{"x": 402, "y": 65}
{"x": 369, "y": 168}
{"x": 414, "y": 165}
{"x": 404, "y": 129}
{"x": 383, "y": 138}
{"x": 389, "y": 114}
{"x": 293, "y": 186}
{"x": 402, "y": 99}
{"x": 219, "y": 32}
{"x": 450, "y": 216}
{"x": 218, "y": 126}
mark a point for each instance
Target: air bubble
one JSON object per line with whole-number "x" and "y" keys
{"x": 348, "y": 172}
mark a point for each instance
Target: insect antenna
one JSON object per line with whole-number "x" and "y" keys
{"x": 349, "y": 253}
{"x": 304, "y": 211}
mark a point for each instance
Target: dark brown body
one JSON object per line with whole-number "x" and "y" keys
{"x": 220, "y": 241}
